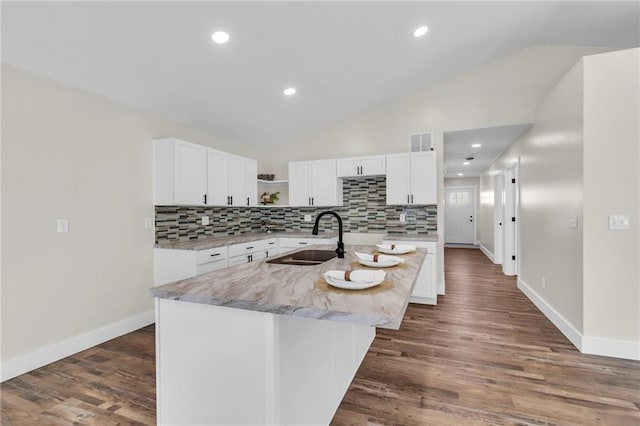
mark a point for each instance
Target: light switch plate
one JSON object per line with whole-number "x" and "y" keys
{"x": 618, "y": 221}
{"x": 63, "y": 225}
{"x": 205, "y": 220}
{"x": 573, "y": 221}
{"x": 148, "y": 222}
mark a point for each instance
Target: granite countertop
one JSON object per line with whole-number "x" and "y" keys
{"x": 411, "y": 237}
{"x": 301, "y": 290}
{"x": 221, "y": 241}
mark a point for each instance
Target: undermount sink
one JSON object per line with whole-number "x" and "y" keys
{"x": 305, "y": 257}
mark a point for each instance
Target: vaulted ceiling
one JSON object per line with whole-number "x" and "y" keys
{"x": 342, "y": 57}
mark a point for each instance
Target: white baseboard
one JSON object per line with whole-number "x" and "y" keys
{"x": 57, "y": 351}
{"x": 561, "y": 323}
{"x": 616, "y": 348}
{"x": 487, "y": 253}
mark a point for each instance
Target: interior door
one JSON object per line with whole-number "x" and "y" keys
{"x": 459, "y": 215}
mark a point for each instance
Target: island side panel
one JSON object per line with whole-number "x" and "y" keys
{"x": 218, "y": 365}
{"x": 211, "y": 364}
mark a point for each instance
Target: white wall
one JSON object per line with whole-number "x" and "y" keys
{"x": 611, "y": 186}
{"x": 70, "y": 154}
{"x": 475, "y": 183}
{"x": 500, "y": 93}
{"x": 581, "y": 157}
{"x": 550, "y": 182}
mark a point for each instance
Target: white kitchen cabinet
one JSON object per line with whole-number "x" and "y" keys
{"x": 412, "y": 178}
{"x": 314, "y": 183}
{"x": 425, "y": 291}
{"x": 173, "y": 265}
{"x": 372, "y": 165}
{"x": 286, "y": 244}
{"x": 180, "y": 172}
{"x": 251, "y": 251}
{"x": 231, "y": 179}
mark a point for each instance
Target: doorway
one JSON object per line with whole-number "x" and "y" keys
{"x": 460, "y": 215}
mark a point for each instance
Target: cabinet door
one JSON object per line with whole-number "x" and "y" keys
{"x": 299, "y": 183}
{"x": 190, "y": 173}
{"x": 251, "y": 182}
{"x": 426, "y": 284}
{"x": 217, "y": 178}
{"x": 423, "y": 178}
{"x": 236, "y": 182}
{"x": 398, "y": 179}
{"x": 348, "y": 167}
{"x": 324, "y": 183}
{"x": 373, "y": 165}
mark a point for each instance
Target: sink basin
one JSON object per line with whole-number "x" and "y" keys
{"x": 304, "y": 257}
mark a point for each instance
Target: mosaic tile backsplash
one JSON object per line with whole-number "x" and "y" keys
{"x": 364, "y": 210}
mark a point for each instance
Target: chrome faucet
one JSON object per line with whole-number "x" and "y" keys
{"x": 340, "y": 249}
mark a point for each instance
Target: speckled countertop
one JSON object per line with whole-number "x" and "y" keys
{"x": 212, "y": 242}
{"x": 301, "y": 290}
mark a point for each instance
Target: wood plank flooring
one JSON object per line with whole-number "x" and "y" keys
{"x": 483, "y": 355}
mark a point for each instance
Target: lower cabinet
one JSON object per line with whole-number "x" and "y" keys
{"x": 290, "y": 244}
{"x": 254, "y": 250}
{"x": 173, "y": 265}
{"x": 425, "y": 290}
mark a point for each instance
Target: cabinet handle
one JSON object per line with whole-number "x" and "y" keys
{"x": 309, "y": 200}
{"x": 300, "y": 242}
{"x": 205, "y": 198}
{"x": 231, "y": 200}
{"x": 408, "y": 199}
{"x": 271, "y": 243}
{"x": 215, "y": 254}
{"x": 247, "y": 200}
{"x": 313, "y": 202}
{"x": 249, "y": 248}
{"x": 411, "y": 198}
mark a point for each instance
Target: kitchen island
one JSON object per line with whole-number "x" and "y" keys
{"x": 264, "y": 343}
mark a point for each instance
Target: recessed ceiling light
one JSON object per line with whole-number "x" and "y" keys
{"x": 290, "y": 91}
{"x": 476, "y": 145}
{"x": 419, "y": 32}
{"x": 460, "y": 174}
{"x": 466, "y": 163}
{"x": 220, "y": 37}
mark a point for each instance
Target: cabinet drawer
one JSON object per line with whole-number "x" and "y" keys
{"x": 251, "y": 247}
{"x": 212, "y": 266}
{"x": 211, "y": 255}
{"x": 238, "y": 260}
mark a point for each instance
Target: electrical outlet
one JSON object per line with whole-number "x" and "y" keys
{"x": 403, "y": 217}
{"x": 63, "y": 225}
{"x": 205, "y": 220}
{"x": 307, "y": 218}
{"x": 618, "y": 221}
{"x": 148, "y": 223}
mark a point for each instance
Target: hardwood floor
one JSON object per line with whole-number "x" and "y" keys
{"x": 483, "y": 355}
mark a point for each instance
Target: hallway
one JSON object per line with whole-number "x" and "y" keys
{"x": 483, "y": 355}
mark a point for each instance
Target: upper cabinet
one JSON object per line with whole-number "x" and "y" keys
{"x": 314, "y": 183}
{"x": 412, "y": 178}
{"x": 179, "y": 172}
{"x": 190, "y": 174}
{"x": 371, "y": 165}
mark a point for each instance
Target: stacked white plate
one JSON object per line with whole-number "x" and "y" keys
{"x": 359, "y": 279}
{"x": 396, "y": 248}
{"x": 382, "y": 262}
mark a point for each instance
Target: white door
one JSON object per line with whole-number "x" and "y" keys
{"x": 509, "y": 266}
{"x": 459, "y": 219}
{"x": 372, "y": 165}
{"x": 190, "y": 179}
{"x": 299, "y": 184}
{"x": 236, "y": 185}
{"x": 251, "y": 182}
{"x": 423, "y": 178}
{"x": 323, "y": 182}
{"x": 217, "y": 178}
{"x": 398, "y": 179}
{"x": 498, "y": 219}
{"x": 347, "y": 167}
